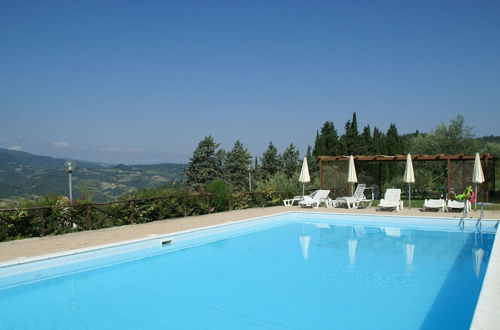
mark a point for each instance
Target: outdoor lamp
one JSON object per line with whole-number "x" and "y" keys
{"x": 70, "y": 166}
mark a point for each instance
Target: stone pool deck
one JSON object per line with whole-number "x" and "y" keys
{"x": 33, "y": 247}
{"x": 486, "y": 315}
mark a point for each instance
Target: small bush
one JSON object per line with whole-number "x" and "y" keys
{"x": 220, "y": 197}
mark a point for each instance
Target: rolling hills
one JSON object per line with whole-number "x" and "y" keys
{"x": 26, "y": 175}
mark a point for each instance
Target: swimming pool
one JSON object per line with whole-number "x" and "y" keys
{"x": 292, "y": 271}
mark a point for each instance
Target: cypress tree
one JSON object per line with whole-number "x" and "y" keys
{"x": 365, "y": 147}
{"x": 351, "y": 141}
{"x": 377, "y": 147}
{"x": 393, "y": 143}
{"x": 327, "y": 143}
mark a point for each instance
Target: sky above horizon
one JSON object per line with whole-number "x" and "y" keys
{"x": 144, "y": 81}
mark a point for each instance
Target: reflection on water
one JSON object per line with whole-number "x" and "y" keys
{"x": 413, "y": 243}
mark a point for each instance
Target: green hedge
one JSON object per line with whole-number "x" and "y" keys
{"x": 63, "y": 217}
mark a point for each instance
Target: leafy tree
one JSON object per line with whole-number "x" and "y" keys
{"x": 270, "y": 162}
{"x": 236, "y": 167}
{"x": 456, "y": 138}
{"x": 205, "y": 164}
{"x": 290, "y": 160}
{"x": 312, "y": 162}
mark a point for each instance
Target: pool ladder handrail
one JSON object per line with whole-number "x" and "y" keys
{"x": 461, "y": 224}
{"x": 478, "y": 223}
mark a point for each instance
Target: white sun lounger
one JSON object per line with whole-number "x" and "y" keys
{"x": 392, "y": 200}
{"x": 434, "y": 204}
{"x": 357, "y": 199}
{"x": 291, "y": 201}
{"x": 458, "y": 205}
{"x": 320, "y": 196}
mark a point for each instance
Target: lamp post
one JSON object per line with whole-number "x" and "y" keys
{"x": 69, "y": 166}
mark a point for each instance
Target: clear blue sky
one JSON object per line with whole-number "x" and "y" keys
{"x": 145, "y": 81}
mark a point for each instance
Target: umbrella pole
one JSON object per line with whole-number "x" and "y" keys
{"x": 475, "y": 199}
{"x": 409, "y": 195}
{"x": 303, "y": 190}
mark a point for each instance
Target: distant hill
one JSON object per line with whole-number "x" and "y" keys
{"x": 26, "y": 175}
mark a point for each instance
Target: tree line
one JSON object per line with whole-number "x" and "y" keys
{"x": 278, "y": 170}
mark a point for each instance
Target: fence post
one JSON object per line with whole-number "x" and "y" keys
{"x": 88, "y": 219}
{"x": 131, "y": 217}
{"x": 207, "y": 196}
{"x": 42, "y": 223}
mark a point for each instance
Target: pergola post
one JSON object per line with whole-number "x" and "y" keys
{"x": 449, "y": 177}
{"x": 320, "y": 174}
{"x": 486, "y": 179}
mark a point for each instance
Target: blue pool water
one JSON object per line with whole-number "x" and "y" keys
{"x": 302, "y": 272}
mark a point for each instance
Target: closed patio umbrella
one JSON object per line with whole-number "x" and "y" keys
{"x": 477, "y": 176}
{"x": 351, "y": 173}
{"x": 304, "y": 175}
{"x": 409, "y": 176}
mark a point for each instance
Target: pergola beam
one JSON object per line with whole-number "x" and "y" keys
{"x": 401, "y": 158}
{"x": 486, "y": 158}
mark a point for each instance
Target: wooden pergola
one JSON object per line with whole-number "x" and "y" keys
{"x": 487, "y": 161}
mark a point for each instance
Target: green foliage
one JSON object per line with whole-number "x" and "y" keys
{"x": 312, "y": 163}
{"x": 240, "y": 201}
{"x": 456, "y": 138}
{"x": 327, "y": 143}
{"x": 205, "y": 164}
{"x": 26, "y": 219}
{"x": 350, "y": 141}
{"x": 236, "y": 167}
{"x": 270, "y": 162}
{"x": 280, "y": 182}
{"x": 365, "y": 146}
{"x": 220, "y": 195}
{"x": 290, "y": 161}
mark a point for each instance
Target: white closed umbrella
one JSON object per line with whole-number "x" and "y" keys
{"x": 409, "y": 176}
{"x": 351, "y": 173}
{"x": 477, "y": 176}
{"x": 304, "y": 175}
